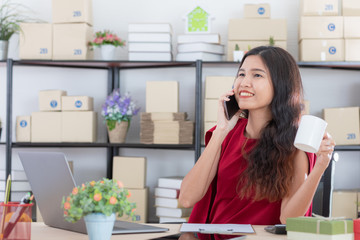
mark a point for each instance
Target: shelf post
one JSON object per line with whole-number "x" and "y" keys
{"x": 9, "y": 85}
{"x": 198, "y": 109}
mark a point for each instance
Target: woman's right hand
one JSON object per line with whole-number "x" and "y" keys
{"x": 222, "y": 123}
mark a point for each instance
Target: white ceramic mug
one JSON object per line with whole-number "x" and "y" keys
{"x": 310, "y": 133}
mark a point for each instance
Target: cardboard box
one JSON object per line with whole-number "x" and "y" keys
{"x": 306, "y": 109}
{"x": 344, "y": 204}
{"x": 35, "y": 41}
{"x": 140, "y": 197}
{"x": 351, "y": 27}
{"x": 343, "y": 124}
{"x": 215, "y": 86}
{"x": 319, "y": 8}
{"x": 257, "y": 10}
{"x": 322, "y": 50}
{"x": 162, "y": 96}
{"x": 245, "y": 45}
{"x": 350, "y": 8}
{"x": 46, "y": 127}
{"x": 50, "y": 100}
{"x": 77, "y": 103}
{"x": 352, "y": 49}
{"x": 257, "y": 29}
{"x": 72, "y": 11}
{"x": 321, "y": 27}
{"x": 211, "y": 110}
{"x": 23, "y": 128}
{"x": 79, "y": 126}
{"x": 71, "y": 41}
{"x": 130, "y": 170}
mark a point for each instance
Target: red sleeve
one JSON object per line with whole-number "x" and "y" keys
{"x": 312, "y": 161}
{"x": 209, "y": 134}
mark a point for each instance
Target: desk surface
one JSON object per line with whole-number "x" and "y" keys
{"x": 39, "y": 231}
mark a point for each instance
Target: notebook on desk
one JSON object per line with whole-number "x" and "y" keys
{"x": 50, "y": 179}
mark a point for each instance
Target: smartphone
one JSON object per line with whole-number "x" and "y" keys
{"x": 231, "y": 107}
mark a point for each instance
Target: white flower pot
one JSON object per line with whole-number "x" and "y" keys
{"x": 107, "y": 52}
{"x": 99, "y": 226}
{"x": 3, "y": 49}
{"x": 238, "y": 55}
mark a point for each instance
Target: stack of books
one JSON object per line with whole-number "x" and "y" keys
{"x": 206, "y": 47}
{"x": 162, "y": 123}
{"x": 168, "y": 208}
{"x": 150, "y": 42}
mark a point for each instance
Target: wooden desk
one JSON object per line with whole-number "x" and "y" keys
{"x": 39, "y": 231}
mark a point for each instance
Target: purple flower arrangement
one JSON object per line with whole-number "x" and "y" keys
{"x": 118, "y": 108}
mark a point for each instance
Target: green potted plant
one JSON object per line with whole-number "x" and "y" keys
{"x": 118, "y": 111}
{"x": 10, "y": 18}
{"x": 98, "y": 202}
{"x": 238, "y": 54}
{"x": 107, "y": 41}
{"x": 271, "y": 41}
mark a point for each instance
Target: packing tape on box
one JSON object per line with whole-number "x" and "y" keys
{"x": 321, "y": 218}
{"x": 323, "y": 56}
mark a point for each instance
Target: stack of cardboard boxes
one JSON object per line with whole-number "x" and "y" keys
{"x": 215, "y": 86}
{"x": 131, "y": 171}
{"x": 255, "y": 29}
{"x": 321, "y": 31}
{"x": 66, "y": 39}
{"x": 163, "y": 123}
{"x": 61, "y": 119}
{"x": 351, "y": 13}
{"x": 346, "y": 203}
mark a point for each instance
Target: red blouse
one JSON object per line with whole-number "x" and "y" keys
{"x": 221, "y": 203}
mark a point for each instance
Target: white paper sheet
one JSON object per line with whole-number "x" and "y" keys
{"x": 217, "y": 228}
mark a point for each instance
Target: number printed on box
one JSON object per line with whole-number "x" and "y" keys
{"x": 77, "y": 51}
{"x": 23, "y": 123}
{"x": 43, "y": 51}
{"x": 78, "y": 104}
{"x": 351, "y": 136}
{"x": 329, "y": 7}
{"x": 53, "y": 103}
{"x": 261, "y": 10}
{"x": 331, "y": 27}
{"x": 332, "y": 50}
{"x": 77, "y": 14}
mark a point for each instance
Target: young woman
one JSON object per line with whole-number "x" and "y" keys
{"x": 250, "y": 172}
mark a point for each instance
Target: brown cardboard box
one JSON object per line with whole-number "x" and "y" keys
{"x": 77, "y": 103}
{"x": 319, "y": 8}
{"x": 257, "y": 29}
{"x": 344, "y": 204}
{"x": 140, "y": 197}
{"x": 351, "y": 27}
{"x": 23, "y": 128}
{"x": 72, "y": 11}
{"x": 78, "y": 126}
{"x": 245, "y": 45}
{"x": 130, "y": 170}
{"x": 46, "y": 127}
{"x": 352, "y": 49}
{"x": 306, "y": 109}
{"x": 50, "y": 100}
{"x": 35, "y": 41}
{"x": 215, "y": 86}
{"x": 343, "y": 124}
{"x": 350, "y": 7}
{"x": 322, "y": 50}
{"x": 211, "y": 109}
{"x": 257, "y": 10}
{"x": 71, "y": 41}
{"x": 162, "y": 96}
{"x": 321, "y": 27}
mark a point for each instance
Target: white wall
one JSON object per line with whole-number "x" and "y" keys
{"x": 323, "y": 87}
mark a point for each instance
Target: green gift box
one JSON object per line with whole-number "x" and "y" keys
{"x": 319, "y": 225}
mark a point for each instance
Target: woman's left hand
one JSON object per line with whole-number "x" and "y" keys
{"x": 325, "y": 151}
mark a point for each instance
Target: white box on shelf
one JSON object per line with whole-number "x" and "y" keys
{"x": 50, "y": 100}
{"x": 46, "y": 127}
{"x": 23, "y": 128}
{"x": 77, "y": 103}
{"x": 35, "y": 41}
{"x": 78, "y": 126}
{"x": 72, "y": 11}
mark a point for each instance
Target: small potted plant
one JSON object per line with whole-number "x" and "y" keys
{"x": 10, "y": 19}
{"x": 98, "y": 202}
{"x": 271, "y": 41}
{"x": 118, "y": 111}
{"x": 238, "y": 55}
{"x": 107, "y": 41}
